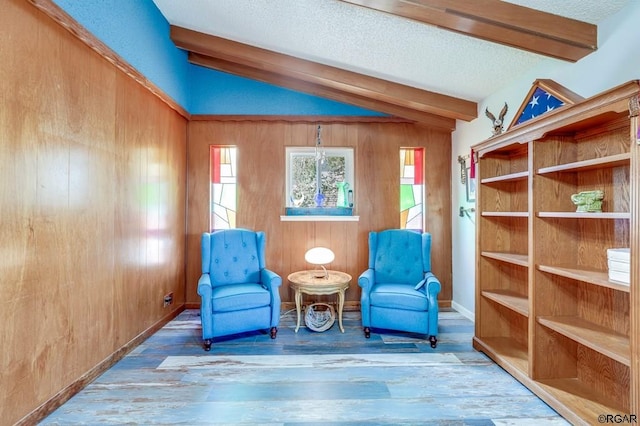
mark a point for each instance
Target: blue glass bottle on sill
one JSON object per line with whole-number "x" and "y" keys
{"x": 319, "y": 199}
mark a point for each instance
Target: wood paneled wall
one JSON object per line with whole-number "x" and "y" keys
{"x": 261, "y": 146}
{"x": 92, "y": 216}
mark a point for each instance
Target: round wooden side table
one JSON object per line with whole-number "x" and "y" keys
{"x": 307, "y": 282}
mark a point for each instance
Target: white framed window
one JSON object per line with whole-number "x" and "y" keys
{"x": 328, "y": 171}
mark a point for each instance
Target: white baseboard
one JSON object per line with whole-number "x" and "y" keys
{"x": 463, "y": 311}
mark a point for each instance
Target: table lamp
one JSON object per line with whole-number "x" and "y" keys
{"x": 320, "y": 256}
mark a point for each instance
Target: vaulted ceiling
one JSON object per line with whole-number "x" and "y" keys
{"x": 426, "y": 60}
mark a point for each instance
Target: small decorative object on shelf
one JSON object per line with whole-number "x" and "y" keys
{"x": 497, "y": 122}
{"x": 588, "y": 201}
{"x": 297, "y": 202}
{"x": 319, "y": 319}
{"x": 319, "y": 199}
{"x": 343, "y": 194}
{"x": 545, "y": 96}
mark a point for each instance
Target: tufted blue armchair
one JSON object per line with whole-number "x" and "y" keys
{"x": 238, "y": 294}
{"x": 399, "y": 291}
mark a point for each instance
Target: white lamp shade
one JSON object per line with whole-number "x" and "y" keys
{"x": 319, "y": 256}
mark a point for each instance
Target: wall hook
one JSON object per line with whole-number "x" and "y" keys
{"x": 466, "y": 211}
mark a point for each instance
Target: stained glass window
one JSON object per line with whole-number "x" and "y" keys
{"x": 411, "y": 188}
{"x": 223, "y": 187}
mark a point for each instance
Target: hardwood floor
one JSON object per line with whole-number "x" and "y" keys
{"x": 306, "y": 378}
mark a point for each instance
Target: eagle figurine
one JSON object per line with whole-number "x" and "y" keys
{"x": 497, "y": 122}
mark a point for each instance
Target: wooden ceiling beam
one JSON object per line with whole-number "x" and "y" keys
{"x": 354, "y": 88}
{"x": 500, "y": 22}
{"x": 431, "y": 120}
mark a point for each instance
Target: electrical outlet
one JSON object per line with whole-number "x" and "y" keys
{"x": 168, "y": 299}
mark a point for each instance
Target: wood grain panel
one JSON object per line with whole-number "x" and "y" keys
{"x": 582, "y": 327}
{"x": 605, "y": 307}
{"x": 261, "y": 146}
{"x": 559, "y": 355}
{"x": 508, "y": 324}
{"x": 333, "y": 83}
{"x": 605, "y": 377}
{"x": 634, "y": 244}
{"x": 57, "y": 14}
{"x": 500, "y": 22}
{"x": 93, "y": 176}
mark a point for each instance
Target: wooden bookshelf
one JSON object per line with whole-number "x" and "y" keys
{"x": 513, "y": 356}
{"x": 545, "y": 308}
{"x": 575, "y": 400}
{"x": 510, "y": 299}
{"x": 505, "y": 214}
{"x": 601, "y": 339}
{"x": 516, "y": 259}
{"x": 595, "y": 163}
{"x": 591, "y": 276}
{"x": 506, "y": 178}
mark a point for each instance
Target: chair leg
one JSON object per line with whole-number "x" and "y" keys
{"x": 274, "y": 331}
{"x": 207, "y": 344}
{"x": 433, "y": 341}
{"x": 367, "y": 332}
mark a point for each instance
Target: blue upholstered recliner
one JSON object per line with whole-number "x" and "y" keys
{"x": 399, "y": 291}
{"x": 238, "y": 294}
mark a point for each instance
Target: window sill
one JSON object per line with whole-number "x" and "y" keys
{"x": 319, "y": 218}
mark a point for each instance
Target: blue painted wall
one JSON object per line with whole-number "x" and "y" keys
{"x": 214, "y": 92}
{"x": 139, "y": 33}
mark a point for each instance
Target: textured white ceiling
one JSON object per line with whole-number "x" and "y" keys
{"x": 374, "y": 43}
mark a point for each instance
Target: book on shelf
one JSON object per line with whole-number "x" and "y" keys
{"x": 618, "y": 261}
{"x": 622, "y": 254}
{"x": 618, "y": 266}
{"x": 621, "y": 277}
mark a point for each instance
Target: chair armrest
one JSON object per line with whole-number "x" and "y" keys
{"x": 432, "y": 284}
{"x": 206, "y": 305}
{"x": 204, "y": 285}
{"x": 366, "y": 280}
{"x": 432, "y": 288}
{"x": 270, "y": 279}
